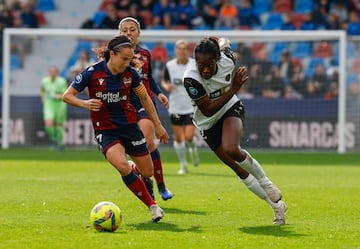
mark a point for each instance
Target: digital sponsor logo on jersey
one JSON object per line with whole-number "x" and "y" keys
{"x": 139, "y": 142}
{"x": 111, "y": 97}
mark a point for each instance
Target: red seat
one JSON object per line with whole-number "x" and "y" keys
{"x": 282, "y": 6}
{"x": 147, "y": 16}
{"x": 105, "y": 3}
{"x": 298, "y": 19}
{"x": 323, "y": 49}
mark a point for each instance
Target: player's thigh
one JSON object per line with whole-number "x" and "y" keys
{"x": 117, "y": 157}
{"x": 60, "y": 114}
{"x": 144, "y": 164}
{"x": 48, "y": 112}
{"x": 178, "y": 132}
{"x": 148, "y": 129}
{"x": 189, "y": 132}
{"x": 231, "y": 132}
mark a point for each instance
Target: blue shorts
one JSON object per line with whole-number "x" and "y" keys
{"x": 129, "y": 136}
{"x": 141, "y": 113}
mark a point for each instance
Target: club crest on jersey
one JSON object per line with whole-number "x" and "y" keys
{"x": 127, "y": 80}
{"x": 78, "y": 78}
{"x": 228, "y": 77}
{"x": 193, "y": 91}
{"x": 101, "y": 80}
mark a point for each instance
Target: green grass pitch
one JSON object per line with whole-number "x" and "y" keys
{"x": 46, "y": 198}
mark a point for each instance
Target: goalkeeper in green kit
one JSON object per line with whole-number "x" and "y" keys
{"x": 54, "y": 109}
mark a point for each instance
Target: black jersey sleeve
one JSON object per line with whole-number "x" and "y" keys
{"x": 194, "y": 89}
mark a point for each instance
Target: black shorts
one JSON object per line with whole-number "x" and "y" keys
{"x": 213, "y": 135}
{"x": 129, "y": 136}
{"x": 181, "y": 119}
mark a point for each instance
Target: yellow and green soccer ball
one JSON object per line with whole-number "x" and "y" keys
{"x": 105, "y": 217}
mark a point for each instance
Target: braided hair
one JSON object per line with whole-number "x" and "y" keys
{"x": 208, "y": 45}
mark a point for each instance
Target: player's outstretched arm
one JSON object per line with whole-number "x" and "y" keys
{"x": 70, "y": 98}
{"x": 149, "y": 107}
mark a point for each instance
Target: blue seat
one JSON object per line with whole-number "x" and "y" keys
{"x": 351, "y": 78}
{"x": 303, "y": 6}
{"x": 302, "y": 49}
{"x": 353, "y": 28}
{"x": 312, "y": 65}
{"x": 261, "y": 6}
{"x": 46, "y": 5}
{"x": 98, "y": 17}
{"x": 274, "y": 21}
{"x": 15, "y": 62}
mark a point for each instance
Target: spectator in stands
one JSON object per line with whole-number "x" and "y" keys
{"x": 247, "y": 17}
{"x": 320, "y": 13}
{"x": 273, "y": 85}
{"x": 308, "y": 23}
{"x": 162, "y": 13}
{"x": 288, "y": 23}
{"x": 298, "y": 80}
{"x": 209, "y": 14}
{"x": 353, "y": 26}
{"x": 333, "y": 90}
{"x": 318, "y": 83}
{"x": 338, "y": 8}
{"x": 254, "y": 86}
{"x": 84, "y": 60}
{"x": 185, "y": 13}
{"x": 6, "y": 18}
{"x": 228, "y": 16}
{"x": 332, "y": 22}
{"x": 244, "y": 55}
{"x": 122, "y": 5}
{"x": 146, "y": 5}
{"x": 134, "y": 12}
{"x": 290, "y": 93}
{"x": 286, "y": 66}
{"x": 263, "y": 61}
{"x": 28, "y": 15}
{"x": 159, "y": 56}
{"x": 111, "y": 20}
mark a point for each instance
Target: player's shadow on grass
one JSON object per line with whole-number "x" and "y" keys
{"x": 180, "y": 211}
{"x": 272, "y": 230}
{"x": 164, "y": 226}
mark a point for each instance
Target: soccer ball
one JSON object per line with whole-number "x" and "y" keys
{"x": 105, "y": 216}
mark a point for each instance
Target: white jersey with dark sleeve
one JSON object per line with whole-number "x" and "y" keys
{"x": 179, "y": 101}
{"x": 217, "y": 85}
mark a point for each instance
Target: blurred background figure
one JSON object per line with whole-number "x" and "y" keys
{"x": 180, "y": 106}
{"x": 54, "y": 109}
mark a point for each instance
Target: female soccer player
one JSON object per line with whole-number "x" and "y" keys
{"x": 142, "y": 63}
{"x": 180, "y": 106}
{"x": 114, "y": 119}
{"x": 219, "y": 115}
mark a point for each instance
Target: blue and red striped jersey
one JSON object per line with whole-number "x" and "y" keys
{"x": 113, "y": 90}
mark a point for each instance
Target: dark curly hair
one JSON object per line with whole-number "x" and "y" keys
{"x": 208, "y": 45}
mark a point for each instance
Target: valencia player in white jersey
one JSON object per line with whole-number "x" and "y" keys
{"x": 181, "y": 108}
{"x": 219, "y": 114}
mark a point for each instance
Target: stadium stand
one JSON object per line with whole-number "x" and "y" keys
{"x": 270, "y": 14}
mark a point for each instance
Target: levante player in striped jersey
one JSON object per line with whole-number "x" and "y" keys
{"x": 109, "y": 83}
{"x": 142, "y": 63}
